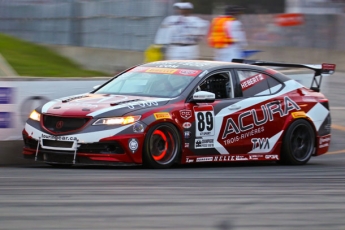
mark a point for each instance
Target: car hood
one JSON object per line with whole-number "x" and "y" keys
{"x": 100, "y": 105}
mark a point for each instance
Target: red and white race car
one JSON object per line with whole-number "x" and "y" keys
{"x": 166, "y": 112}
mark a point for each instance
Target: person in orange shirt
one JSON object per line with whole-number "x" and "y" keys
{"x": 226, "y": 35}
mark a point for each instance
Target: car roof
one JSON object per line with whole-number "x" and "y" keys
{"x": 210, "y": 66}
{"x": 198, "y": 64}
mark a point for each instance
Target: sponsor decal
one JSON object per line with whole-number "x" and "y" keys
{"x": 161, "y": 70}
{"x": 251, "y": 81}
{"x": 324, "y": 141}
{"x": 186, "y": 114}
{"x": 142, "y": 104}
{"x": 168, "y": 66}
{"x": 133, "y": 144}
{"x": 224, "y": 158}
{"x": 204, "y": 159}
{"x": 268, "y": 110}
{"x": 168, "y": 69}
{"x": 6, "y": 95}
{"x": 255, "y": 157}
{"x": 299, "y": 114}
{"x": 204, "y": 143}
{"x": 241, "y": 158}
{"x": 265, "y": 145}
{"x": 187, "y": 134}
{"x": 260, "y": 143}
{"x": 58, "y": 138}
{"x": 186, "y": 145}
{"x": 187, "y": 125}
{"x": 185, "y": 63}
{"x": 204, "y": 116}
{"x": 6, "y": 120}
{"x": 189, "y": 160}
{"x": 230, "y": 158}
{"x": 271, "y": 157}
{"x": 188, "y": 72}
{"x": 162, "y": 115}
{"x": 244, "y": 135}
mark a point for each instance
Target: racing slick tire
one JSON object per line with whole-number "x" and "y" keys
{"x": 298, "y": 143}
{"x": 162, "y": 146}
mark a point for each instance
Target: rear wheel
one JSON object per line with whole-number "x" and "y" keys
{"x": 298, "y": 143}
{"x": 162, "y": 146}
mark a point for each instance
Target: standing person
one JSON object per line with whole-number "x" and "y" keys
{"x": 181, "y": 33}
{"x": 226, "y": 35}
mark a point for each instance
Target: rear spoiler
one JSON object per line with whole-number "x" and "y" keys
{"x": 324, "y": 68}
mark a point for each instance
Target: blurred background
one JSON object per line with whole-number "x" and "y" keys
{"x": 111, "y": 35}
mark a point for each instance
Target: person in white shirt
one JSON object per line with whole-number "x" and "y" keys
{"x": 180, "y": 34}
{"x": 233, "y": 38}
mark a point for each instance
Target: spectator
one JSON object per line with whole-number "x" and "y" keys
{"x": 226, "y": 35}
{"x": 180, "y": 34}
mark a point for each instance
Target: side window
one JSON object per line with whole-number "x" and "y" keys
{"x": 220, "y": 84}
{"x": 274, "y": 85}
{"x": 253, "y": 83}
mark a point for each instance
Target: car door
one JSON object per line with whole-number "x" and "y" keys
{"x": 256, "y": 125}
{"x": 209, "y": 117}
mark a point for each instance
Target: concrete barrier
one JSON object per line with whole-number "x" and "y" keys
{"x": 19, "y": 96}
{"x": 112, "y": 61}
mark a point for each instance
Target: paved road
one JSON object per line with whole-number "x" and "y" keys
{"x": 233, "y": 196}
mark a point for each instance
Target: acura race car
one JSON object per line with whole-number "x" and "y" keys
{"x": 166, "y": 112}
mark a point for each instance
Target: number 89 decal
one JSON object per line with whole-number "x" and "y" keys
{"x": 204, "y": 119}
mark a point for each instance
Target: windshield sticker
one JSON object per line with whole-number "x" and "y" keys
{"x": 161, "y": 70}
{"x": 251, "y": 81}
{"x": 184, "y": 72}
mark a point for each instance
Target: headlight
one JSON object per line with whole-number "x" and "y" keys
{"x": 34, "y": 115}
{"x": 117, "y": 120}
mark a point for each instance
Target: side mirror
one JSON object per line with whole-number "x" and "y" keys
{"x": 203, "y": 97}
{"x": 96, "y": 86}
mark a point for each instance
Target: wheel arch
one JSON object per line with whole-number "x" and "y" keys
{"x": 179, "y": 133}
{"x": 306, "y": 118}
{"x": 285, "y": 157}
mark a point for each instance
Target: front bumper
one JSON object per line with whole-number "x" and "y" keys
{"x": 113, "y": 150}
{"x": 69, "y": 158}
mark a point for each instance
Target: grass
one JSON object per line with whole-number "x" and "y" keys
{"x": 29, "y": 59}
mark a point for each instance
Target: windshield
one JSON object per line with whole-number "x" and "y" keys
{"x": 147, "y": 84}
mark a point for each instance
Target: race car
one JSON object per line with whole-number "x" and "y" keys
{"x": 186, "y": 111}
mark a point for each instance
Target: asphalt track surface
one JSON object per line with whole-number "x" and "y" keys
{"x": 226, "y": 196}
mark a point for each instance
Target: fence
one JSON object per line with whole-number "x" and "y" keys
{"x": 117, "y": 24}
{"x": 132, "y": 24}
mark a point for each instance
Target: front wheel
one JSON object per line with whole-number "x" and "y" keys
{"x": 298, "y": 143}
{"x": 162, "y": 146}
